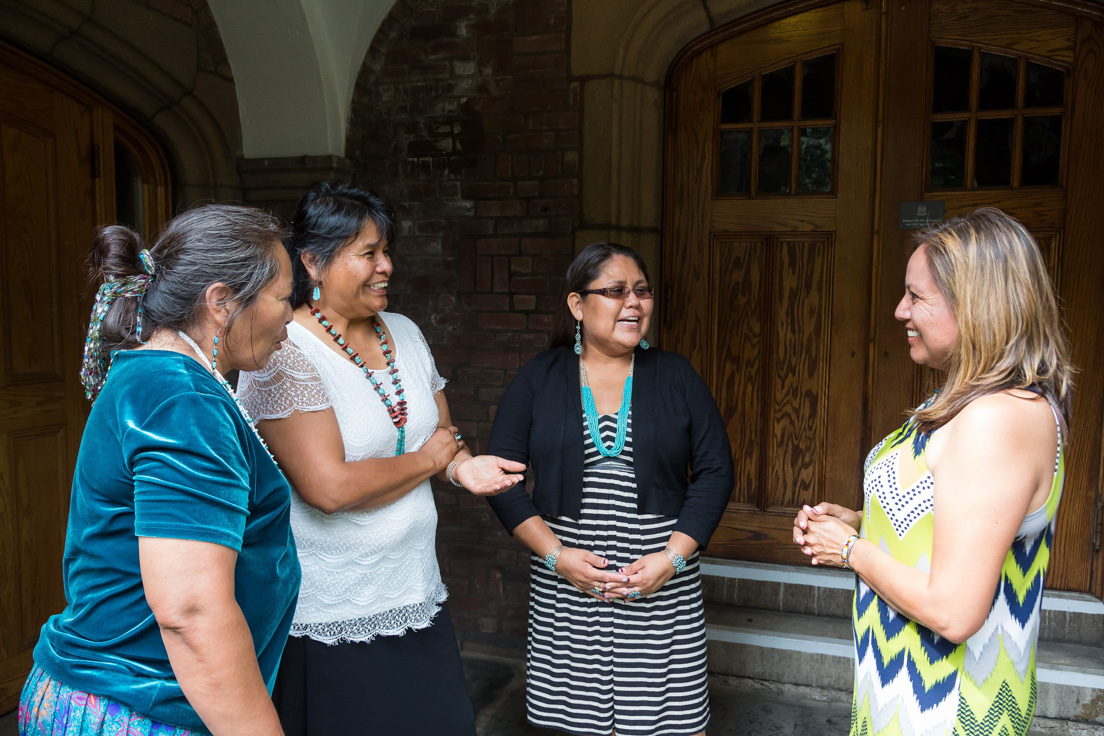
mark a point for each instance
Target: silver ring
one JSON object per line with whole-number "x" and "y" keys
{"x": 596, "y": 591}
{"x": 458, "y": 437}
{"x": 633, "y": 594}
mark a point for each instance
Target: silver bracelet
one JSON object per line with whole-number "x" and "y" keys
{"x": 676, "y": 559}
{"x": 553, "y": 557}
{"x": 452, "y": 467}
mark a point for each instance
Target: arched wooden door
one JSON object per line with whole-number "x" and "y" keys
{"x": 56, "y": 185}
{"x": 793, "y": 144}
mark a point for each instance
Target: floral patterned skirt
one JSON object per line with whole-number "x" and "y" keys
{"x": 51, "y": 708}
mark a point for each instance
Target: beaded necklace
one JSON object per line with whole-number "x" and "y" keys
{"x": 230, "y": 390}
{"x": 622, "y": 413}
{"x": 397, "y": 409}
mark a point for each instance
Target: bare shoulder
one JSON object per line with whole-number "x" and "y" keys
{"x": 1015, "y": 424}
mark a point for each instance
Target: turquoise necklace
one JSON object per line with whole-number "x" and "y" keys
{"x": 622, "y": 413}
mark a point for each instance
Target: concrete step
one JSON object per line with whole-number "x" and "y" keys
{"x": 817, "y": 652}
{"x": 1074, "y": 618}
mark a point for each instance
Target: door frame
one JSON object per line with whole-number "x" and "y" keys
{"x": 1089, "y": 472}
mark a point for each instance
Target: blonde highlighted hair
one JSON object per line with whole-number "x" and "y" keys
{"x": 1010, "y": 333}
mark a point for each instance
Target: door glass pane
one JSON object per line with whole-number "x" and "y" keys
{"x": 1046, "y": 87}
{"x": 1042, "y": 150}
{"x": 948, "y": 154}
{"x": 993, "y": 153}
{"x": 997, "y": 85}
{"x": 814, "y": 168}
{"x": 818, "y": 87}
{"x": 775, "y": 151}
{"x": 951, "y": 79}
{"x": 736, "y": 104}
{"x": 777, "y": 95}
{"x": 735, "y": 164}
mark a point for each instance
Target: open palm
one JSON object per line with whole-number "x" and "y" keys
{"x": 489, "y": 475}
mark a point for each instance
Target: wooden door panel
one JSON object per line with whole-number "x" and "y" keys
{"x": 737, "y": 375}
{"x": 799, "y": 35}
{"x": 46, "y": 141}
{"x": 816, "y": 214}
{"x": 800, "y": 316}
{"x": 1010, "y": 25}
{"x": 32, "y": 323}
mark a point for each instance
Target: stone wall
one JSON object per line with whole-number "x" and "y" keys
{"x": 466, "y": 117}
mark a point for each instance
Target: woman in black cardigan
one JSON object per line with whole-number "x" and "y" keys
{"x": 616, "y": 622}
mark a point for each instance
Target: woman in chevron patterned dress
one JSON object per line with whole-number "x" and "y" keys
{"x": 952, "y": 545}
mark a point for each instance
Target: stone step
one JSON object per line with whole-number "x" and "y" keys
{"x": 1074, "y": 618}
{"x": 816, "y": 651}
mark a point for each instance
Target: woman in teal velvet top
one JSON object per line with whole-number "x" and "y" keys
{"x": 180, "y": 570}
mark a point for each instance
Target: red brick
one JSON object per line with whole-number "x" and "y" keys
{"x": 529, "y": 284}
{"x": 496, "y": 246}
{"x": 477, "y": 190}
{"x": 521, "y": 264}
{"x": 501, "y": 273}
{"x": 500, "y": 208}
{"x": 560, "y": 188}
{"x": 561, "y": 206}
{"x": 542, "y": 42}
{"x": 525, "y": 302}
{"x": 501, "y": 321}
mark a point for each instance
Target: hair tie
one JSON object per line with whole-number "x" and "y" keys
{"x": 95, "y": 365}
{"x": 147, "y": 262}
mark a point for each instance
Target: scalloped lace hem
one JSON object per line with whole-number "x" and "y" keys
{"x": 394, "y": 622}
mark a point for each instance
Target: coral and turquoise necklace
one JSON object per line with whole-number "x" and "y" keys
{"x": 395, "y": 409}
{"x": 622, "y": 413}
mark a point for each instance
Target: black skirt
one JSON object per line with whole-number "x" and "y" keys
{"x": 411, "y": 684}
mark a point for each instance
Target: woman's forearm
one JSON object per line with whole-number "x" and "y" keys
{"x": 212, "y": 656}
{"x": 535, "y": 534}
{"x": 911, "y": 592}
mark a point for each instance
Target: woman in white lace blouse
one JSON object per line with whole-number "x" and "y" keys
{"x": 354, "y": 412}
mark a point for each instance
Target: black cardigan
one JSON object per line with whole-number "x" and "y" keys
{"x": 676, "y": 427}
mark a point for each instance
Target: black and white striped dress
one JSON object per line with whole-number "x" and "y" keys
{"x": 635, "y": 667}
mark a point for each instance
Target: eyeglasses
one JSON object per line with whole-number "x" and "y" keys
{"x": 622, "y": 292}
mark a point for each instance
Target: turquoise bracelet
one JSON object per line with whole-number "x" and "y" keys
{"x": 676, "y": 559}
{"x": 553, "y": 557}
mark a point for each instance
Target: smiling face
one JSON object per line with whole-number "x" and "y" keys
{"x": 613, "y": 326}
{"x": 354, "y": 283}
{"x": 930, "y": 323}
{"x": 260, "y": 329}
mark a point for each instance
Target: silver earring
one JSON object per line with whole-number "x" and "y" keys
{"x": 644, "y": 344}
{"x": 578, "y": 338}
{"x": 317, "y": 294}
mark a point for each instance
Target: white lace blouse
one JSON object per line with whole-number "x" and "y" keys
{"x": 365, "y": 573}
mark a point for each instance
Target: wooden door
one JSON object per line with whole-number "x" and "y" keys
{"x": 768, "y": 253}
{"x": 965, "y": 102}
{"x": 999, "y": 103}
{"x": 47, "y": 217}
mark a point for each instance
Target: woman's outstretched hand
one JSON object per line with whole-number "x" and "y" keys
{"x": 488, "y": 475}
{"x": 822, "y": 530}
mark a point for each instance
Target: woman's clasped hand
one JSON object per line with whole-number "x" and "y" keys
{"x": 822, "y": 531}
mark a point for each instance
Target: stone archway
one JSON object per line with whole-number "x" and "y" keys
{"x": 166, "y": 68}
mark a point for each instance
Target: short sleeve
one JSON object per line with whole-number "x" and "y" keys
{"x": 436, "y": 381}
{"x": 191, "y": 474}
{"x": 289, "y": 383}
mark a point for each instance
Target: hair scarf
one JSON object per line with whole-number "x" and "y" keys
{"x": 96, "y": 364}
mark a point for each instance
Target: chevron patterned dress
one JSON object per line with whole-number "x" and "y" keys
{"x": 908, "y": 680}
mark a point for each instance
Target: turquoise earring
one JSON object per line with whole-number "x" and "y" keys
{"x": 214, "y": 351}
{"x": 578, "y": 338}
{"x": 644, "y": 344}
{"x": 317, "y": 294}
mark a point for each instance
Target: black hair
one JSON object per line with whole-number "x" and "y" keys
{"x": 329, "y": 216}
{"x": 231, "y": 244}
{"x": 586, "y": 267}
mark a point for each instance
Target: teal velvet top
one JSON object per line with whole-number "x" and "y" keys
{"x": 166, "y": 453}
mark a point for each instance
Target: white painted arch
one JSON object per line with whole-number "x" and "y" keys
{"x": 295, "y": 64}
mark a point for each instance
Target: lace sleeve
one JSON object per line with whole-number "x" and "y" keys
{"x": 289, "y": 383}
{"x": 436, "y": 381}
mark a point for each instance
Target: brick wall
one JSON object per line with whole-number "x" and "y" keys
{"x": 465, "y": 115}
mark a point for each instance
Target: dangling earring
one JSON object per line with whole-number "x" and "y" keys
{"x": 214, "y": 351}
{"x": 644, "y": 344}
{"x": 317, "y": 294}
{"x": 578, "y": 338}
